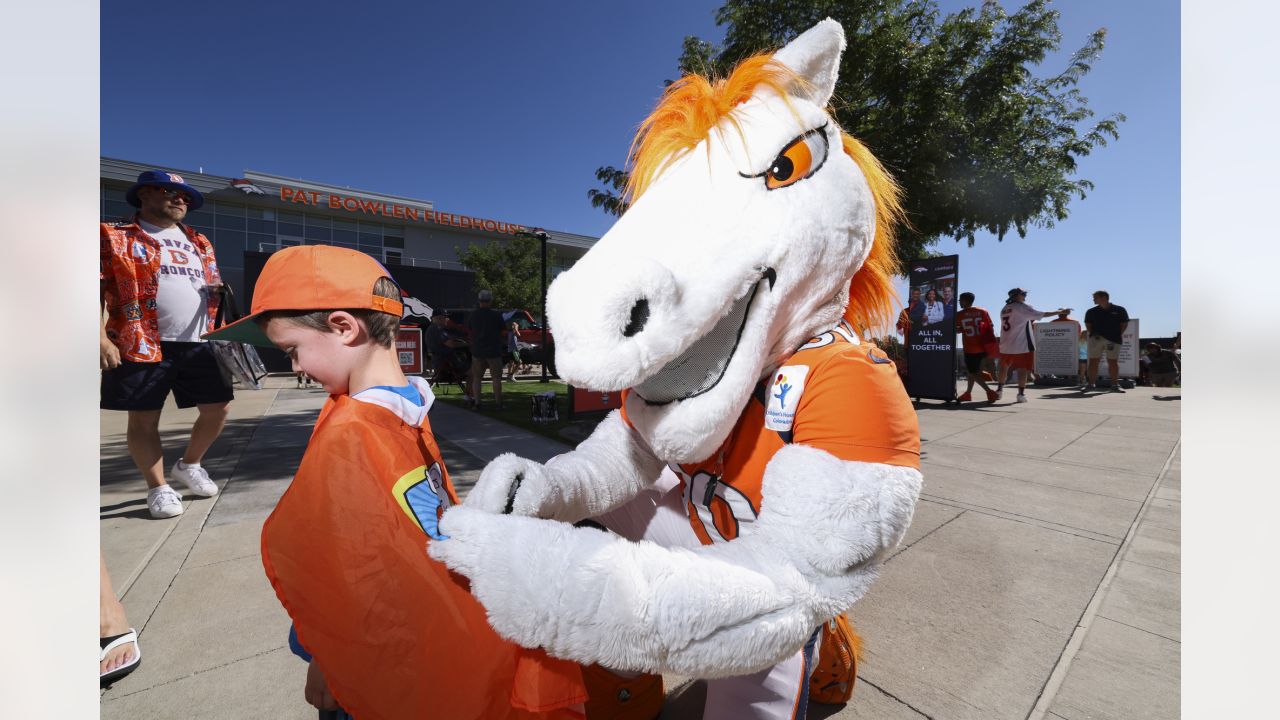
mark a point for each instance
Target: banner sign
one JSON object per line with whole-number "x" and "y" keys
{"x": 1057, "y": 347}
{"x": 334, "y": 201}
{"x": 409, "y": 349}
{"x": 931, "y": 337}
{"x": 585, "y": 402}
{"x": 1128, "y": 353}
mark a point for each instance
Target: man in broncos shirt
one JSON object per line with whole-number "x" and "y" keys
{"x": 158, "y": 284}
{"x": 1017, "y": 348}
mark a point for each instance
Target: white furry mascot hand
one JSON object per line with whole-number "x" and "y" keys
{"x": 605, "y": 471}
{"x": 715, "y": 611}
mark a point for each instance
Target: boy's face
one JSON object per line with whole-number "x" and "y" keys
{"x": 322, "y": 355}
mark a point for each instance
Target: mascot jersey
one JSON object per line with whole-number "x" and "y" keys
{"x": 834, "y": 394}
{"x": 394, "y": 632}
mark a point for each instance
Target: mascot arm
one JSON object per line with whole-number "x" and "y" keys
{"x": 719, "y": 610}
{"x": 606, "y": 470}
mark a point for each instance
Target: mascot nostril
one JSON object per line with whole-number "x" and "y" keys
{"x": 639, "y": 316}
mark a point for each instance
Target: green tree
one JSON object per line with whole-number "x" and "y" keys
{"x": 509, "y": 269}
{"x": 951, "y": 105}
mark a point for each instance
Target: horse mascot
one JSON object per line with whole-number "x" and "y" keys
{"x": 725, "y": 303}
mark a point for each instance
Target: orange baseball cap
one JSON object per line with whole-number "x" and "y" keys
{"x": 311, "y": 277}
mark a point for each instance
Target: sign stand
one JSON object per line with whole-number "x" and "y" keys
{"x": 931, "y": 337}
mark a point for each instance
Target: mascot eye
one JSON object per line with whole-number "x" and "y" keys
{"x": 801, "y": 158}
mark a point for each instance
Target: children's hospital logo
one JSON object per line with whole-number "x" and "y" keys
{"x": 783, "y": 387}
{"x": 784, "y": 396}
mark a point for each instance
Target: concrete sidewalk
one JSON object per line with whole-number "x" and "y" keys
{"x": 1040, "y": 578}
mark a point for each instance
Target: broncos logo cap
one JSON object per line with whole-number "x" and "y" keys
{"x": 311, "y": 277}
{"x": 166, "y": 179}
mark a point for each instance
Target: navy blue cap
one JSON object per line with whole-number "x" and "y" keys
{"x": 163, "y": 178}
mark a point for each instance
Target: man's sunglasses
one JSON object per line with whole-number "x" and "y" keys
{"x": 172, "y": 194}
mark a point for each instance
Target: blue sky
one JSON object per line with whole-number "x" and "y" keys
{"x": 505, "y": 109}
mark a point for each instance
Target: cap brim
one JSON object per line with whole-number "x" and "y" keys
{"x": 197, "y": 199}
{"x": 245, "y": 330}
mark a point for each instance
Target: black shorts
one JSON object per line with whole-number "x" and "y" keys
{"x": 186, "y": 368}
{"x": 973, "y": 361}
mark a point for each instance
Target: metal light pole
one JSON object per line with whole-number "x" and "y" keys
{"x": 541, "y": 236}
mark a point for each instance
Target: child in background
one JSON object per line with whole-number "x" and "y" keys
{"x": 387, "y": 632}
{"x": 513, "y": 351}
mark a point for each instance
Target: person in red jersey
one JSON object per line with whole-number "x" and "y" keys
{"x": 974, "y": 323}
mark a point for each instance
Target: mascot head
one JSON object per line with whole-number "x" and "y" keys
{"x": 755, "y": 224}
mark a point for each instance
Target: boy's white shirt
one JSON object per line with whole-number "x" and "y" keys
{"x": 411, "y": 414}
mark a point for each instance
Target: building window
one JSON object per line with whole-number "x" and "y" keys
{"x": 259, "y": 242}
{"x": 230, "y": 222}
{"x": 117, "y": 211}
{"x": 230, "y": 248}
{"x": 393, "y": 257}
{"x": 392, "y": 241}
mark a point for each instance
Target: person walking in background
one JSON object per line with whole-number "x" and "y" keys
{"x": 513, "y": 350}
{"x": 1163, "y": 366}
{"x": 1017, "y": 346}
{"x": 1105, "y": 323}
{"x": 158, "y": 288}
{"x": 974, "y": 323}
{"x": 486, "y": 326}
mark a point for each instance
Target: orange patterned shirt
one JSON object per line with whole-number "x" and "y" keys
{"x": 129, "y": 270}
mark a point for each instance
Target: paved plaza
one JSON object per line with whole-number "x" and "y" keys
{"x": 1039, "y": 579}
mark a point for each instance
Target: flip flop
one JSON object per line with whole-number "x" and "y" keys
{"x": 108, "y": 644}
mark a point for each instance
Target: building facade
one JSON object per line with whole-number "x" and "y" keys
{"x": 249, "y": 217}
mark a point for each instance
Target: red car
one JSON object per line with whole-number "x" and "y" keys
{"x": 531, "y": 332}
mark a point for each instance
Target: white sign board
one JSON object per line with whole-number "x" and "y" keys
{"x": 1128, "y": 353}
{"x": 1057, "y": 348}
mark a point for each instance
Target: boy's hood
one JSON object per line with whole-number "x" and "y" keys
{"x": 408, "y": 412}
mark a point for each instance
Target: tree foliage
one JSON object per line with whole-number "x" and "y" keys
{"x": 509, "y": 269}
{"x": 951, "y": 105}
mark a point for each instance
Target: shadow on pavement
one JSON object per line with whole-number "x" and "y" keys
{"x": 1166, "y": 398}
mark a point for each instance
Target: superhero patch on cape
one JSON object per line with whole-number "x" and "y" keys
{"x": 422, "y": 496}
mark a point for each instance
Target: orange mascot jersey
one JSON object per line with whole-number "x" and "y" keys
{"x": 832, "y": 394}
{"x": 394, "y": 632}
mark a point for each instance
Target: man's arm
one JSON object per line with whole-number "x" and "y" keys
{"x": 108, "y": 353}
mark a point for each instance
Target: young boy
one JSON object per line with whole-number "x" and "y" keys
{"x": 388, "y": 632}
{"x": 979, "y": 339}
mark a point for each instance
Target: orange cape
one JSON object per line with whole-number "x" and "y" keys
{"x": 394, "y": 632}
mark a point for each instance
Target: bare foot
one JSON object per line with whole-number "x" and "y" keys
{"x": 112, "y": 621}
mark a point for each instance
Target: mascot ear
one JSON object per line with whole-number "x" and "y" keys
{"x": 815, "y": 56}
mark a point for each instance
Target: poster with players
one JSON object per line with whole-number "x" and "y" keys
{"x": 1057, "y": 348}
{"x": 931, "y": 332}
{"x": 1128, "y": 353}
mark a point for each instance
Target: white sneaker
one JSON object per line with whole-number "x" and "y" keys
{"x": 1022, "y": 398}
{"x": 194, "y": 478}
{"x": 163, "y": 502}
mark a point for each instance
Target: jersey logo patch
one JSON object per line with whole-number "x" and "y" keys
{"x": 784, "y": 396}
